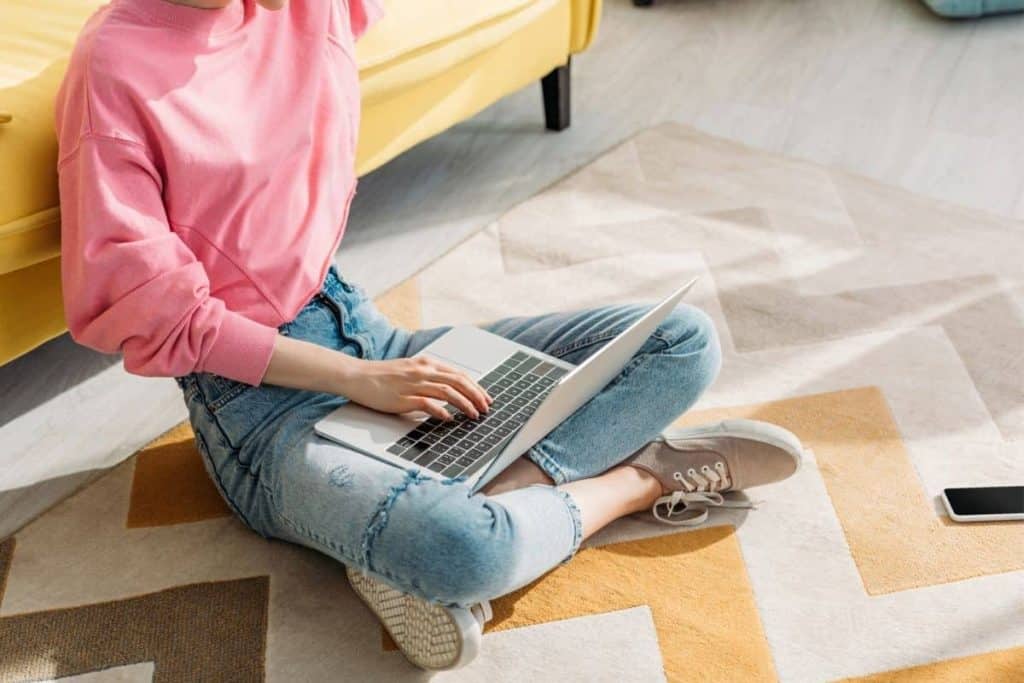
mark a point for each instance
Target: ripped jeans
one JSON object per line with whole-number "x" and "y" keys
{"x": 434, "y": 538}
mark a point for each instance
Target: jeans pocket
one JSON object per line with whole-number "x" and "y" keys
{"x": 240, "y": 409}
{"x": 218, "y": 391}
{"x": 318, "y": 323}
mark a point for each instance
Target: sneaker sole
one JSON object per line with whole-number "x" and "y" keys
{"x": 764, "y": 432}
{"x": 430, "y": 636}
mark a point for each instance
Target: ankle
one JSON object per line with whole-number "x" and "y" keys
{"x": 648, "y": 487}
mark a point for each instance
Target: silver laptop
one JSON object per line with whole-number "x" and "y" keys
{"x": 532, "y": 391}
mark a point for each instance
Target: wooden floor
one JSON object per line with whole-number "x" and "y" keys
{"x": 878, "y": 87}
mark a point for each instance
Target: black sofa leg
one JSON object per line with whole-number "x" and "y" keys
{"x": 555, "y": 87}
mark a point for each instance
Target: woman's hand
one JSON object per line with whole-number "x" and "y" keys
{"x": 391, "y": 386}
{"x": 406, "y": 384}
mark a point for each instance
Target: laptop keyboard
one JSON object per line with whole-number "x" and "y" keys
{"x": 461, "y": 446}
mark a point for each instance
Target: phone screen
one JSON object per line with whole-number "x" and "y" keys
{"x": 988, "y": 500}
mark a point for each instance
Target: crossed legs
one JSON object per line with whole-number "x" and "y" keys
{"x": 686, "y": 353}
{"x": 439, "y": 541}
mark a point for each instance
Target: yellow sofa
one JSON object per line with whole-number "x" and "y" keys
{"x": 426, "y": 66}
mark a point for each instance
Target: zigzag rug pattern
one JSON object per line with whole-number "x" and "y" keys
{"x": 885, "y": 329}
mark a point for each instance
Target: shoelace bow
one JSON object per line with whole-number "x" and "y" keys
{"x": 701, "y": 491}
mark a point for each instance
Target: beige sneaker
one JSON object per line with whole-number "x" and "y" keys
{"x": 429, "y": 635}
{"x": 696, "y": 465}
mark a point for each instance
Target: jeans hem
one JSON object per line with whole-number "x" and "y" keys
{"x": 577, "y": 523}
{"x": 544, "y": 461}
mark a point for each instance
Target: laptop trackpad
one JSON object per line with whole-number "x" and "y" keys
{"x": 477, "y": 351}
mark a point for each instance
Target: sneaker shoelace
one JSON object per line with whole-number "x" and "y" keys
{"x": 690, "y": 506}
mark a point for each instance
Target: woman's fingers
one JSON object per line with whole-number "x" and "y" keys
{"x": 459, "y": 389}
{"x": 469, "y": 388}
{"x": 451, "y": 395}
{"x": 465, "y": 390}
{"x": 464, "y": 385}
{"x": 429, "y": 407}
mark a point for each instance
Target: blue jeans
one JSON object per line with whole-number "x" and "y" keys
{"x": 434, "y": 538}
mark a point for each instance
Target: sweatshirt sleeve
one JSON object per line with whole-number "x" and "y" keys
{"x": 131, "y": 285}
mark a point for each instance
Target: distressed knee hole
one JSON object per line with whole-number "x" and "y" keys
{"x": 380, "y": 517}
{"x": 340, "y": 476}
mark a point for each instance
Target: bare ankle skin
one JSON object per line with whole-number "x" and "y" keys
{"x": 618, "y": 492}
{"x": 601, "y": 500}
{"x": 519, "y": 474}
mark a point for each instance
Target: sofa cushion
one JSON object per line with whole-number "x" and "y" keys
{"x": 417, "y": 24}
{"x": 417, "y": 39}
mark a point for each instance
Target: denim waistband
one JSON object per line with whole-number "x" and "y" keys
{"x": 334, "y": 284}
{"x": 332, "y": 276}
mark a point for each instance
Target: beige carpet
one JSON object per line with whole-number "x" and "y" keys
{"x": 885, "y": 329}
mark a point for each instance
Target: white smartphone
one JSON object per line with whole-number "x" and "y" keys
{"x": 985, "y": 503}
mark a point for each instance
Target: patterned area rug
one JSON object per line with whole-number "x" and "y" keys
{"x": 885, "y": 329}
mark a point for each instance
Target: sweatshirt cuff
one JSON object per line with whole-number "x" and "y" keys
{"x": 242, "y": 349}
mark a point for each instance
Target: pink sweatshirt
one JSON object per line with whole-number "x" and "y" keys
{"x": 206, "y": 170}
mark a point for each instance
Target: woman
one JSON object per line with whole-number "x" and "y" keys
{"x": 206, "y": 171}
